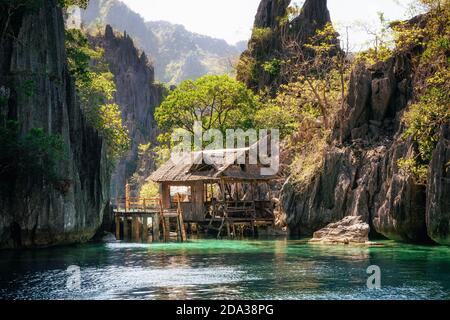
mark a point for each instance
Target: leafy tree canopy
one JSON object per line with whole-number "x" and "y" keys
{"x": 96, "y": 87}
{"x": 218, "y": 102}
{"x": 425, "y": 118}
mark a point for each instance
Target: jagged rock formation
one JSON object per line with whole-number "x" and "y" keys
{"x": 34, "y": 212}
{"x": 138, "y": 96}
{"x": 264, "y": 46}
{"x": 350, "y": 230}
{"x": 177, "y": 53}
{"x": 360, "y": 175}
{"x": 438, "y": 191}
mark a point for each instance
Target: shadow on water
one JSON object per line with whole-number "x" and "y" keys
{"x": 226, "y": 269}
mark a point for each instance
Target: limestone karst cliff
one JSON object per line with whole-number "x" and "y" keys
{"x": 137, "y": 95}
{"x": 273, "y": 29}
{"x": 438, "y": 191}
{"x": 41, "y": 95}
{"x": 360, "y": 174}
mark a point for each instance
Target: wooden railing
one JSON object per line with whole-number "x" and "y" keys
{"x": 139, "y": 204}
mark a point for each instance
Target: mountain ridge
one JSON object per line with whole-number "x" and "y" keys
{"x": 177, "y": 53}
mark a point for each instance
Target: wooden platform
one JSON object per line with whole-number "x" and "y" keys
{"x": 144, "y": 220}
{"x": 145, "y": 217}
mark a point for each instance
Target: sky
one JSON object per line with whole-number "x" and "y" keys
{"x": 232, "y": 20}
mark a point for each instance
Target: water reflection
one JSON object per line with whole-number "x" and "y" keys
{"x": 211, "y": 269}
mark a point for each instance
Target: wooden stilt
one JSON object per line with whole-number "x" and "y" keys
{"x": 253, "y": 228}
{"x": 117, "y": 227}
{"x": 155, "y": 226}
{"x": 178, "y": 229}
{"x": 181, "y": 222}
{"x": 135, "y": 228}
{"x": 125, "y": 228}
{"x": 166, "y": 223}
{"x": 144, "y": 229}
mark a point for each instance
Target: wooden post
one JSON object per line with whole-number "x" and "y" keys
{"x": 155, "y": 227}
{"x": 212, "y": 191}
{"x": 127, "y": 197}
{"x": 135, "y": 228}
{"x": 144, "y": 228}
{"x": 160, "y": 219}
{"x": 125, "y": 227}
{"x": 253, "y": 228}
{"x": 117, "y": 227}
{"x": 181, "y": 222}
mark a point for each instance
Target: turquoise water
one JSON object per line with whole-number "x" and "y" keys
{"x": 211, "y": 269}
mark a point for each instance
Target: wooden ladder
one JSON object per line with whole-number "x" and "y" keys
{"x": 174, "y": 214}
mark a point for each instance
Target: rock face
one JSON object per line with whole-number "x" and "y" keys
{"x": 360, "y": 175}
{"x": 269, "y": 11}
{"x": 438, "y": 191}
{"x": 38, "y": 213}
{"x": 270, "y": 16}
{"x": 350, "y": 230}
{"x": 138, "y": 96}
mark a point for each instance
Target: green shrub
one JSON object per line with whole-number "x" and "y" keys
{"x": 424, "y": 120}
{"x": 272, "y": 67}
{"x": 96, "y": 88}
{"x": 149, "y": 190}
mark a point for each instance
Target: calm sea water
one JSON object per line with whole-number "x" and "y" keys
{"x": 211, "y": 269}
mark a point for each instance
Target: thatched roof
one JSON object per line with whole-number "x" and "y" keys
{"x": 215, "y": 164}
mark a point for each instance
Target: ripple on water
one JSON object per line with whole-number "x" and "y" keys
{"x": 211, "y": 269}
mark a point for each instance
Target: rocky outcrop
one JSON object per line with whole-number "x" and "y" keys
{"x": 269, "y": 13}
{"x": 360, "y": 174}
{"x": 350, "y": 230}
{"x": 137, "y": 95}
{"x": 438, "y": 191}
{"x": 266, "y": 46}
{"x": 33, "y": 68}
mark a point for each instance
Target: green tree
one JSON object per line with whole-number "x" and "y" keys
{"x": 218, "y": 102}
{"x": 96, "y": 88}
{"x": 425, "y": 117}
{"x": 149, "y": 190}
{"x": 79, "y": 3}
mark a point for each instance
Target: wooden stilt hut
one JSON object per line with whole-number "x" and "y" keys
{"x": 217, "y": 188}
